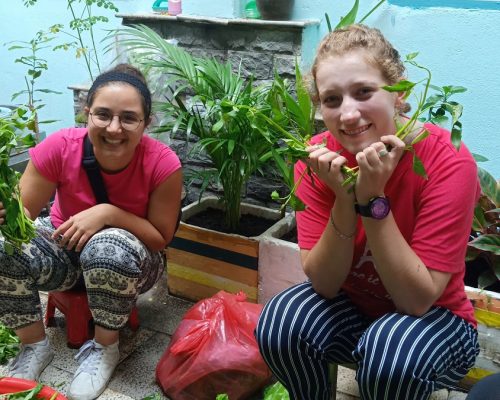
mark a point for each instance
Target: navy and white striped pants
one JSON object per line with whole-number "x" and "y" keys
{"x": 398, "y": 356}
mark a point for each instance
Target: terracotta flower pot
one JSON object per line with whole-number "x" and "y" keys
{"x": 275, "y": 9}
{"x": 15, "y": 385}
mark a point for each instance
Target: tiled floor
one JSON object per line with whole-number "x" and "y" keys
{"x": 134, "y": 377}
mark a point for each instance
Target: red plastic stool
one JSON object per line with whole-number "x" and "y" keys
{"x": 75, "y": 307}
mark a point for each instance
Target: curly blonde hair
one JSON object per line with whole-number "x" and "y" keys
{"x": 380, "y": 53}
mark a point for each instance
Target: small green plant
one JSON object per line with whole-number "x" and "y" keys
{"x": 226, "y": 113}
{"x": 9, "y": 344}
{"x": 439, "y": 104}
{"x": 350, "y": 17}
{"x": 81, "y": 30}
{"x": 35, "y": 67}
{"x": 17, "y": 228}
{"x": 274, "y": 392}
{"x": 485, "y": 233}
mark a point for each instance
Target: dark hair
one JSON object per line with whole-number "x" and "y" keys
{"x": 124, "y": 73}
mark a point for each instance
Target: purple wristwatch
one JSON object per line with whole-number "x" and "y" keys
{"x": 377, "y": 208}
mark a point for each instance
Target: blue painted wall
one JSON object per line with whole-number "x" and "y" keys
{"x": 459, "y": 40}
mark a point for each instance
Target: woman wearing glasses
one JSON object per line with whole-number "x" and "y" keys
{"x": 113, "y": 248}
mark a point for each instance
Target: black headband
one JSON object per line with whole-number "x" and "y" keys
{"x": 113, "y": 76}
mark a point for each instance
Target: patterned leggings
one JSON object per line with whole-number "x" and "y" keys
{"x": 114, "y": 265}
{"x": 398, "y": 356}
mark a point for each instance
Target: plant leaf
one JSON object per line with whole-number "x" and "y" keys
{"x": 418, "y": 167}
{"x": 486, "y": 279}
{"x": 479, "y": 157}
{"x": 401, "y": 86}
{"x": 488, "y": 242}
{"x": 489, "y": 186}
{"x": 350, "y": 18}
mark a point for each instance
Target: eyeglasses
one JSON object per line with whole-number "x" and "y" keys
{"x": 102, "y": 119}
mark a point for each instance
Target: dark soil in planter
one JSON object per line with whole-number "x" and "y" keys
{"x": 290, "y": 236}
{"x": 212, "y": 218}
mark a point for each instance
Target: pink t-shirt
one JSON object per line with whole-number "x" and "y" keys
{"x": 59, "y": 159}
{"x": 433, "y": 215}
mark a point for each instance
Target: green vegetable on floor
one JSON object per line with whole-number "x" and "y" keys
{"x": 273, "y": 392}
{"x": 17, "y": 228}
{"x": 9, "y": 344}
{"x": 28, "y": 394}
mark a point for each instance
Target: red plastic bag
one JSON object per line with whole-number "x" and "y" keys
{"x": 214, "y": 351}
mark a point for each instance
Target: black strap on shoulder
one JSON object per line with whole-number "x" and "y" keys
{"x": 89, "y": 163}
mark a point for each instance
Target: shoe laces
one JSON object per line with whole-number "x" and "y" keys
{"x": 89, "y": 357}
{"x": 21, "y": 363}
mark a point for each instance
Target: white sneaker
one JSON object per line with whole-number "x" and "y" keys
{"x": 97, "y": 363}
{"x": 31, "y": 360}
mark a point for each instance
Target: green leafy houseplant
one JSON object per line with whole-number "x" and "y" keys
{"x": 17, "y": 228}
{"x": 35, "y": 67}
{"x": 485, "y": 243}
{"x": 81, "y": 30}
{"x": 350, "y": 17}
{"x": 9, "y": 344}
{"x": 222, "y": 113}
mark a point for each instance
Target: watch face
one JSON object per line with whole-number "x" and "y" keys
{"x": 380, "y": 207}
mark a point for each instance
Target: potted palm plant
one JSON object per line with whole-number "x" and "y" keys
{"x": 226, "y": 114}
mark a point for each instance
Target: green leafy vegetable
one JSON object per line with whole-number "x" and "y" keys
{"x": 30, "y": 394}
{"x": 9, "y": 344}
{"x": 276, "y": 392}
{"x": 273, "y": 392}
{"x": 17, "y": 228}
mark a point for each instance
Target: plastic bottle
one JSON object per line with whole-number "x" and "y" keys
{"x": 251, "y": 10}
{"x": 174, "y": 7}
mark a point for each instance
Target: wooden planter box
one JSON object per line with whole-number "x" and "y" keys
{"x": 201, "y": 262}
{"x": 279, "y": 260}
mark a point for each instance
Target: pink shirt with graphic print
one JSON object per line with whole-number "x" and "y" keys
{"x": 433, "y": 215}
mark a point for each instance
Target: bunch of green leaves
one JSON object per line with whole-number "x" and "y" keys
{"x": 288, "y": 129}
{"x": 17, "y": 228}
{"x": 485, "y": 234}
{"x": 81, "y": 29}
{"x": 30, "y": 394}
{"x": 213, "y": 103}
{"x": 35, "y": 67}
{"x": 274, "y": 392}
{"x": 439, "y": 105}
{"x": 9, "y": 344}
{"x": 350, "y": 17}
